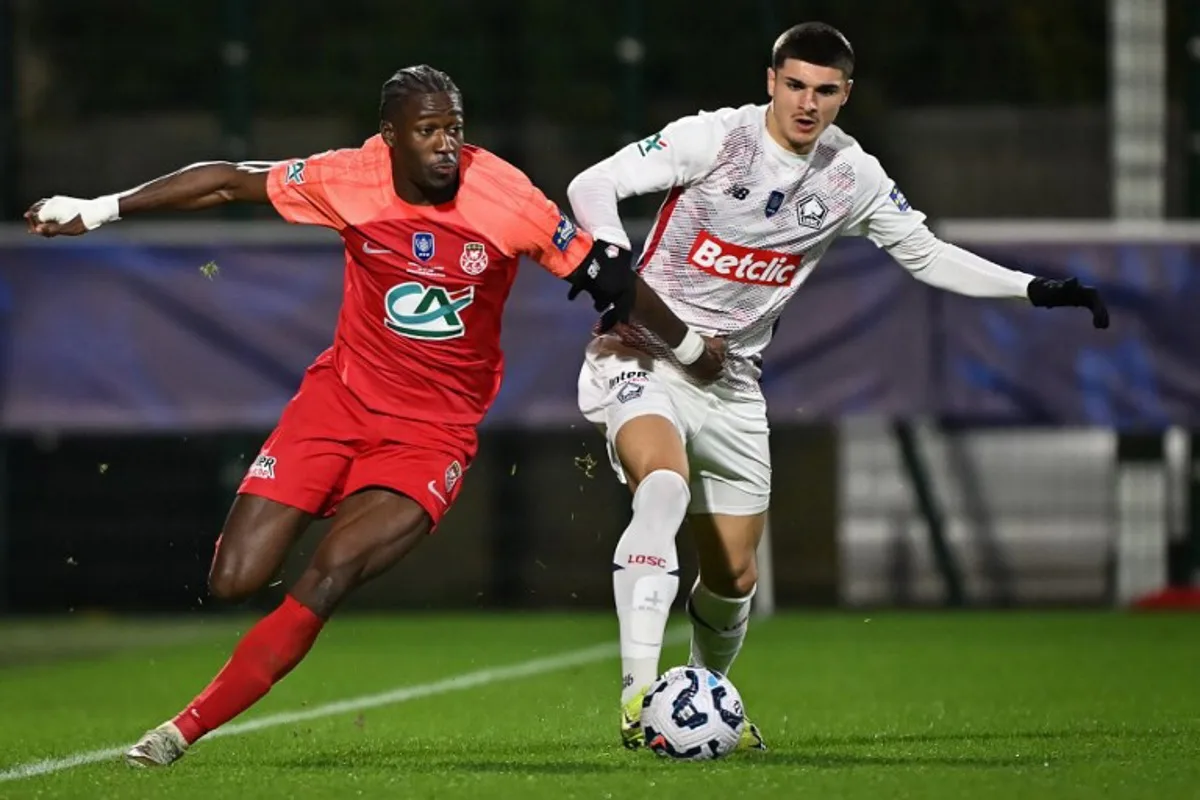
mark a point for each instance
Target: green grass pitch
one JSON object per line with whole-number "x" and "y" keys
{"x": 854, "y": 705}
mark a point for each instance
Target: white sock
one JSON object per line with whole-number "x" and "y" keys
{"x": 646, "y": 575}
{"x": 718, "y": 627}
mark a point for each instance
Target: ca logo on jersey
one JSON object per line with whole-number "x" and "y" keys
{"x": 426, "y": 312}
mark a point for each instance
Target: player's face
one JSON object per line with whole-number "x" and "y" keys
{"x": 805, "y": 100}
{"x": 427, "y": 139}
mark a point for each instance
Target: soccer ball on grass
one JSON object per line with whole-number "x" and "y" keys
{"x": 692, "y": 713}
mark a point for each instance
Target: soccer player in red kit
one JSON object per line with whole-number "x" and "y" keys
{"x": 383, "y": 426}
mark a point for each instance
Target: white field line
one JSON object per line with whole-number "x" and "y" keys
{"x": 458, "y": 683}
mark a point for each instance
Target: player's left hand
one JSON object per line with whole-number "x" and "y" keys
{"x": 56, "y": 216}
{"x": 711, "y": 363}
{"x": 1048, "y": 293}
{"x": 606, "y": 274}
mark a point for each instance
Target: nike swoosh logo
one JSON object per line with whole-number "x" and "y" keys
{"x": 433, "y": 491}
{"x": 374, "y": 251}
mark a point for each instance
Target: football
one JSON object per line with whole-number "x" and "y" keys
{"x": 692, "y": 713}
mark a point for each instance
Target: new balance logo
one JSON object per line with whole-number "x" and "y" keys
{"x": 738, "y": 192}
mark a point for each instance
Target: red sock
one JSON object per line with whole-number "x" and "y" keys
{"x": 267, "y": 652}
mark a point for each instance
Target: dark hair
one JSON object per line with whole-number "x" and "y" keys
{"x": 410, "y": 81}
{"x": 817, "y": 43}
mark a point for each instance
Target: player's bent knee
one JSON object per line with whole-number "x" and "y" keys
{"x": 232, "y": 582}
{"x": 232, "y": 576}
{"x": 251, "y": 549}
{"x": 649, "y": 443}
{"x": 744, "y": 583}
{"x": 737, "y": 579}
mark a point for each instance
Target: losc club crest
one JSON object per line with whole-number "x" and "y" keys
{"x": 630, "y": 391}
{"x": 422, "y": 245}
{"x": 811, "y": 212}
{"x": 474, "y": 258}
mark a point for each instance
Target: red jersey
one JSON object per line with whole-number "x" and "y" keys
{"x": 418, "y": 333}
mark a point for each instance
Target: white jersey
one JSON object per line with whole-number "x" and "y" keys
{"x": 744, "y": 224}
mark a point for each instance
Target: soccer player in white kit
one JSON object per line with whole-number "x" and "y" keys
{"x": 756, "y": 195}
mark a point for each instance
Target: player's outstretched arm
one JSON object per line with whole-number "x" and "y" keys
{"x": 194, "y": 187}
{"x": 883, "y": 214}
{"x": 950, "y": 267}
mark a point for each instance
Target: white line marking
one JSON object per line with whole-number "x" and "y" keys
{"x": 468, "y": 680}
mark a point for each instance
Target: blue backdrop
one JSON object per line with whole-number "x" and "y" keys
{"x": 107, "y": 335}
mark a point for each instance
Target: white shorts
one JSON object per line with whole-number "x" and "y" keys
{"x": 726, "y": 439}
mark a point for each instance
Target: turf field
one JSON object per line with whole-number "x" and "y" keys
{"x": 1061, "y": 705}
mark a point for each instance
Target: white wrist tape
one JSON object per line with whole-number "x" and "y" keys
{"x": 92, "y": 213}
{"x": 690, "y": 349}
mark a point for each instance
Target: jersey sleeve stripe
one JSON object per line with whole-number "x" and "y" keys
{"x": 664, "y": 218}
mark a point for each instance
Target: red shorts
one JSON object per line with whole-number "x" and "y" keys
{"x": 327, "y": 446}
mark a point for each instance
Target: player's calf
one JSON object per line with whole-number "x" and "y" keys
{"x": 645, "y": 562}
{"x": 373, "y": 530}
{"x": 718, "y": 627}
{"x": 646, "y": 576}
{"x": 720, "y": 601}
{"x": 267, "y": 653}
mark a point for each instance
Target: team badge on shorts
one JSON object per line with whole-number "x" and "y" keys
{"x": 474, "y": 258}
{"x": 453, "y": 473}
{"x": 630, "y": 391}
{"x": 423, "y": 245}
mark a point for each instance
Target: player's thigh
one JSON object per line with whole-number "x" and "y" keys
{"x": 373, "y": 529}
{"x": 726, "y": 549}
{"x": 731, "y": 461}
{"x": 424, "y": 461}
{"x": 639, "y": 412}
{"x": 731, "y": 491}
{"x": 297, "y": 475}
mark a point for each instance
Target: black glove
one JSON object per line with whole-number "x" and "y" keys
{"x": 606, "y": 273}
{"x": 1047, "y": 293}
